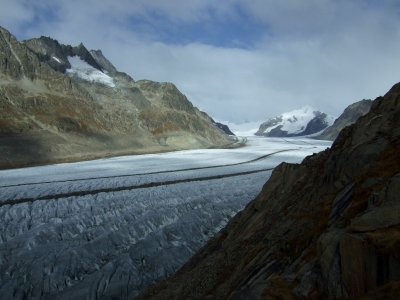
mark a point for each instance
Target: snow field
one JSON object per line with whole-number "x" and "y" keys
{"x": 85, "y": 71}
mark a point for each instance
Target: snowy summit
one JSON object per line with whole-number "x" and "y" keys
{"x": 304, "y": 121}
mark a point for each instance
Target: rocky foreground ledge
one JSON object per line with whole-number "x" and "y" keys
{"x": 328, "y": 228}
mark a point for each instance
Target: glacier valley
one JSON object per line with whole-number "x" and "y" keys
{"x": 108, "y": 228}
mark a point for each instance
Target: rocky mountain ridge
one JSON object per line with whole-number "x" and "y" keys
{"x": 303, "y": 121}
{"x": 223, "y": 127}
{"x": 328, "y": 228}
{"x": 49, "y": 117}
{"x": 348, "y": 117}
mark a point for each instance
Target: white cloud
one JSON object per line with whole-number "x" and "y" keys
{"x": 323, "y": 52}
{"x": 14, "y": 13}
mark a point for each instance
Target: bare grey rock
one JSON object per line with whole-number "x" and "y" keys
{"x": 329, "y": 261}
{"x": 49, "y": 51}
{"x": 103, "y": 62}
{"x": 386, "y": 214}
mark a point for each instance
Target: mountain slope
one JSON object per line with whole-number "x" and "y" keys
{"x": 348, "y": 117}
{"x": 60, "y": 103}
{"x": 326, "y": 228}
{"x": 223, "y": 127}
{"x": 303, "y": 121}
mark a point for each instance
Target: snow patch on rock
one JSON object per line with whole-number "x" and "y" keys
{"x": 82, "y": 69}
{"x": 56, "y": 59}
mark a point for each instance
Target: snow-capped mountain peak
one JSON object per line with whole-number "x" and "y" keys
{"x": 303, "y": 121}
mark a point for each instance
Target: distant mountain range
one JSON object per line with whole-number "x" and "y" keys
{"x": 304, "y": 121}
{"x": 62, "y": 103}
{"x": 308, "y": 121}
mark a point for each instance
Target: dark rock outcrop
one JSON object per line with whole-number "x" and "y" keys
{"x": 55, "y": 55}
{"x": 49, "y": 51}
{"x": 219, "y": 125}
{"x": 348, "y": 117}
{"x": 103, "y": 62}
{"x": 316, "y": 124}
{"x": 82, "y": 52}
{"x": 223, "y": 127}
{"x": 327, "y": 228}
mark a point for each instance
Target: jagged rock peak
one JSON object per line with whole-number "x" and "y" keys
{"x": 49, "y": 50}
{"x": 103, "y": 62}
{"x": 83, "y": 53}
{"x": 108, "y": 67}
{"x": 10, "y": 63}
{"x": 348, "y": 117}
{"x": 18, "y": 61}
{"x": 56, "y": 55}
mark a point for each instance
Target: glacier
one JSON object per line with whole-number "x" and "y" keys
{"x": 81, "y": 69}
{"x": 108, "y": 228}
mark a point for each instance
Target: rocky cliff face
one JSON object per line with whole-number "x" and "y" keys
{"x": 49, "y": 51}
{"x": 54, "y": 110}
{"x": 303, "y": 121}
{"x": 328, "y": 228}
{"x": 223, "y": 127}
{"x": 348, "y": 117}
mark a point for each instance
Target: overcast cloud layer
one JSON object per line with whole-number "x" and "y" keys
{"x": 234, "y": 59}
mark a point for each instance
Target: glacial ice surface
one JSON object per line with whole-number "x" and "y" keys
{"x": 109, "y": 228}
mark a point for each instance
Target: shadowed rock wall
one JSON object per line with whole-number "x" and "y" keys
{"x": 349, "y": 116}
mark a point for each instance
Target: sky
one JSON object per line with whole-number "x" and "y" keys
{"x": 234, "y": 59}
